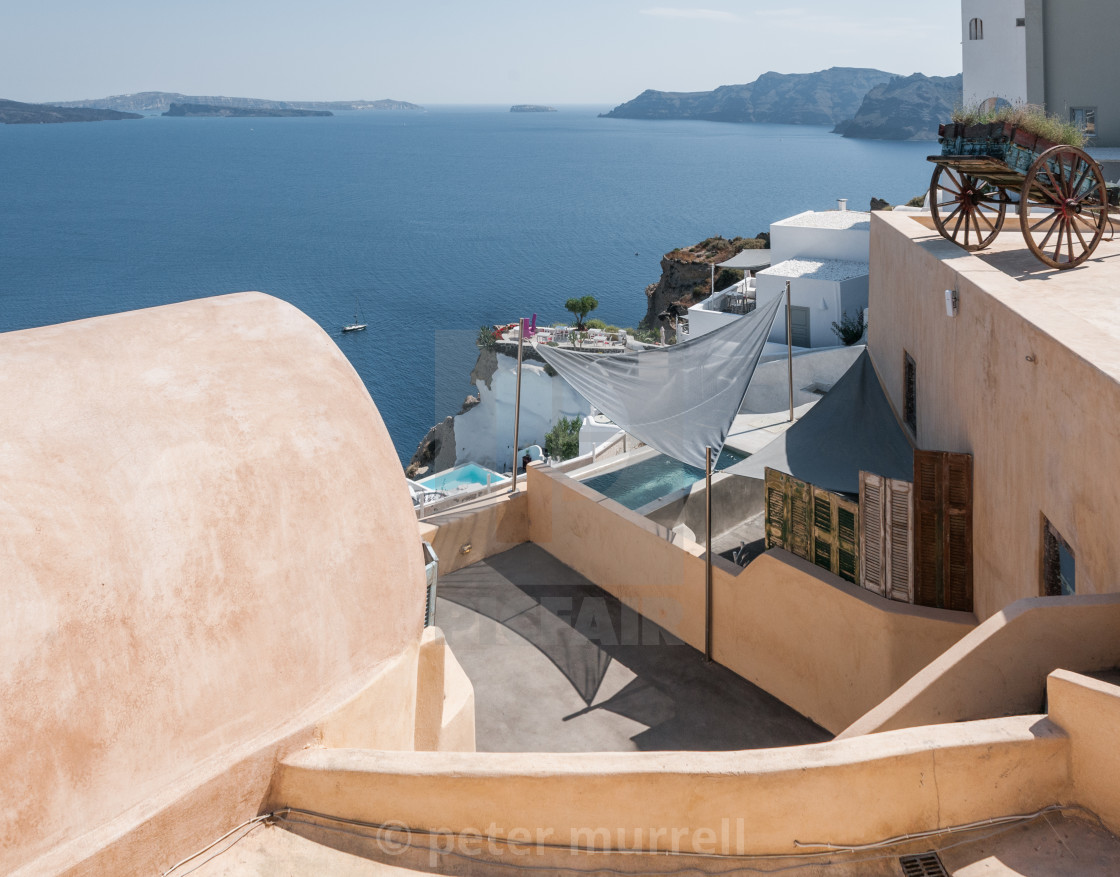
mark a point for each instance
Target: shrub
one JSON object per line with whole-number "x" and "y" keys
{"x": 562, "y": 440}
{"x": 728, "y": 277}
{"x": 486, "y": 340}
{"x": 917, "y": 201}
{"x": 595, "y": 324}
{"x": 849, "y": 329}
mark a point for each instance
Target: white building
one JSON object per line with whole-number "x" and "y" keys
{"x": 1054, "y": 53}
{"x": 824, "y": 255}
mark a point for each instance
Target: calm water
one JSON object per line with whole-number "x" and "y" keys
{"x": 640, "y": 483}
{"x": 438, "y": 222}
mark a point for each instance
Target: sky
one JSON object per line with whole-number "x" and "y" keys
{"x": 443, "y": 52}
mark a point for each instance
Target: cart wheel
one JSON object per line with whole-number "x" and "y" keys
{"x": 966, "y": 210}
{"x": 1066, "y": 207}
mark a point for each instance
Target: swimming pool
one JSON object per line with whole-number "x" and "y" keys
{"x": 652, "y": 478}
{"x": 468, "y": 475}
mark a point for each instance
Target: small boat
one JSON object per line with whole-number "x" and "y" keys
{"x": 359, "y": 321}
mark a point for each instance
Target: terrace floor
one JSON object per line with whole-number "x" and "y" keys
{"x": 559, "y": 665}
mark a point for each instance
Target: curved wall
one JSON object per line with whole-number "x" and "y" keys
{"x": 204, "y": 539}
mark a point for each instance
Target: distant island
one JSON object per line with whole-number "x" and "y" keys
{"x": 826, "y": 97}
{"x": 531, "y": 108}
{"x": 858, "y": 101}
{"x": 16, "y": 113}
{"x": 238, "y": 112}
{"x": 151, "y": 102}
{"x": 906, "y": 108}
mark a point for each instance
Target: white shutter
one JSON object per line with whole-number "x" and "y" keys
{"x": 899, "y": 519}
{"x": 872, "y": 533}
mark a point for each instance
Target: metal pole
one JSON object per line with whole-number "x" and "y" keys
{"x": 713, "y": 267}
{"x": 517, "y": 401}
{"x": 708, "y": 557}
{"x": 789, "y": 347}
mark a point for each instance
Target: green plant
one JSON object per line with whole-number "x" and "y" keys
{"x": 581, "y": 307}
{"x": 917, "y": 201}
{"x": 849, "y": 329}
{"x": 728, "y": 277}
{"x": 1027, "y": 117}
{"x": 595, "y": 324}
{"x": 486, "y": 340}
{"x": 562, "y": 440}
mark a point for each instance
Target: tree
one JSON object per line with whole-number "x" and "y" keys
{"x": 581, "y": 307}
{"x": 562, "y": 440}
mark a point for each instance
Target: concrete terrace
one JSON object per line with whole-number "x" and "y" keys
{"x": 559, "y": 665}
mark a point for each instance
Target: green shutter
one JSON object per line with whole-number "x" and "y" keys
{"x": 777, "y": 510}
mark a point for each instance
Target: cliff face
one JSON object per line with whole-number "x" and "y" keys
{"x": 686, "y": 276}
{"x": 823, "y": 98}
{"x": 160, "y": 101}
{"x": 906, "y": 108}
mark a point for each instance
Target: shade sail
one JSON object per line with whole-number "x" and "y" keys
{"x": 679, "y": 399}
{"x": 748, "y": 260}
{"x": 852, "y": 428}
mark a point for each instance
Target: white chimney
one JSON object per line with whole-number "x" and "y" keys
{"x": 841, "y": 203}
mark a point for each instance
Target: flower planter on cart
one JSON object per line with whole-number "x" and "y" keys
{"x": 1061, "y": 192}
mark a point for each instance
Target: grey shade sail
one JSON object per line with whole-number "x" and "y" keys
{"x": 679, "y": 399}
{"x": 852, "y": 428}
{"x": 748, "y": 260}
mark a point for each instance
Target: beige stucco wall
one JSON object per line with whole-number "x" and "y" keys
{"x": 1089, "y": 711}
{"x": 1000, "y": 668}
{"x": 751, "y": 802}
{"x": 830, "y": 650}
{"x": 488, "y": 527}
{"x": 202, "y": 557}
{"x": 1043, "y": 431}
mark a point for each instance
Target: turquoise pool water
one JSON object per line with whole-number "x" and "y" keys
{"x": 467, "y": 475}
{"x": 643, "y": 482}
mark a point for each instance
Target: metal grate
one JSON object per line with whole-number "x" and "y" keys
{"x": 922, "y": 865}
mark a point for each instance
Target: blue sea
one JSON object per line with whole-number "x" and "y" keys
{"x": 433, "y": 223}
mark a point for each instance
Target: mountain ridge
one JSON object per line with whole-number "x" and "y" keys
{"x": 160, "y": 102}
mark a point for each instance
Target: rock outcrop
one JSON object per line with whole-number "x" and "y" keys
{"x": 905, "y": 108}
{"x": 686, "y": 277}
{"x": 16, "y": 113}
{"x": 822, "y": 98}
{"x": 210, "y": 110}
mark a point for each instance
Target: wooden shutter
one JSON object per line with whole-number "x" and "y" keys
{"x": 800, "y": 517}
{"x": 943, "y": 529}
{"x": 824, "y": 531}
{"x": 929, "y": 537}
{"x": 899, "y": 529}
{"x": 777, "y": 509}
{"x": 847, "y": 540}
{"x": 872, "y": 533}
{"x": 958, "y": 537}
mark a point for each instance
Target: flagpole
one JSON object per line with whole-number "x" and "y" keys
{"x": 789, "y": 348}
{"x": 517, "y": 401}
{"x": 708, "y": 556}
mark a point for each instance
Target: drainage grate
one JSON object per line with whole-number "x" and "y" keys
{"x": 922, "y": 865}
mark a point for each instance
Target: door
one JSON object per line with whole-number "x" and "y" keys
{"x": 799, "y": 317}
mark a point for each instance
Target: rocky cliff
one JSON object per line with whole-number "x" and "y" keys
{"x": 822, "y": 98}
{"x": 686, "y": 277}
{"x": 16, "y": 113}
{"x": 905, "y": 108}
{"x": 238, "y": 112}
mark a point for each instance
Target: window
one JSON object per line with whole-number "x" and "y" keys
{"x": 976, "y": 29}
{"x": 910, "y": 394}
{"x": 1020, "y": 22}
{"x": 1084, "y": 118}
{"x": 1058, "y": 573}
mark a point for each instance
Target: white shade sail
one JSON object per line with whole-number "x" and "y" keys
{"x": 680, "y": 399}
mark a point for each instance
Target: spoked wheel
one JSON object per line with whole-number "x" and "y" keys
{"x": 966, "y": 210}
{"x": 1064, "y": 207}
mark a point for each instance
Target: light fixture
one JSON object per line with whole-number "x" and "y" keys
{"x": 952, "y": 303}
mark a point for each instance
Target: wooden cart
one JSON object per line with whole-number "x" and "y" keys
{"x": 1060, "y": 192}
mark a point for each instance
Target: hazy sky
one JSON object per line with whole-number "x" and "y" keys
{"x": 487, "y": 51}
